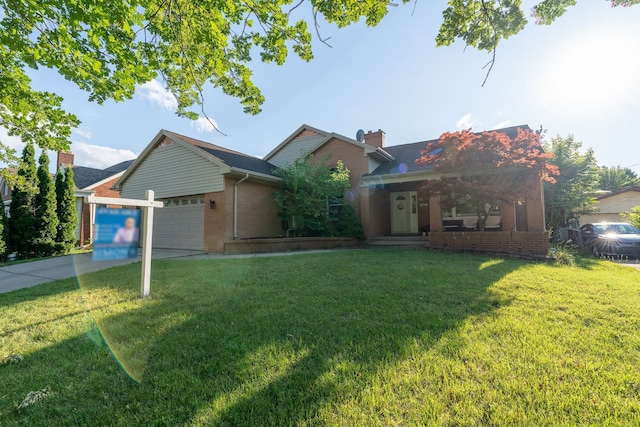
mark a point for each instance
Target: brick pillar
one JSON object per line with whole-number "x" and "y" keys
{"x": 365, "y": 211}
{"x": 535, "y": 205}
{"x": 508, "y": 216}
{"x": 435, "y": 213}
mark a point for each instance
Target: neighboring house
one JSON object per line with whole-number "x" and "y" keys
{"x": 5, "y": 192}
{"x": 213, "y": 195}
{"x": 611, "y": 204}
{"x": 91, "y": 181}
{"x": 88, "y": 181}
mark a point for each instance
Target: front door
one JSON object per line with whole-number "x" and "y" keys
{"x": 404, "y": 212}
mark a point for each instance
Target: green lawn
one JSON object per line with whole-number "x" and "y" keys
{"x": 365, "y": 337}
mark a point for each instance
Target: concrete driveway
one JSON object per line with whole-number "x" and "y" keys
{"x": 633, "y": 263}
{"x": 28, "y": 274}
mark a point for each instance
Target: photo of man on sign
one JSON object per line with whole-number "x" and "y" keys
{"x": 116, "y": 234}
{"x": 128, "y": 233}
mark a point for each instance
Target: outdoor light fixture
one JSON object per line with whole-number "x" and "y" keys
{"x": 212, "y": 204}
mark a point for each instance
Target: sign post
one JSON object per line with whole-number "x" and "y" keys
{"x": 147, "y": 205}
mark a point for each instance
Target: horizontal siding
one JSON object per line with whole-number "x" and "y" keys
{"x": 295, "y": 149}
{"x": 173, "y": 171}
{"x": 373, "y": 164}
{"x": 619, "y": 203}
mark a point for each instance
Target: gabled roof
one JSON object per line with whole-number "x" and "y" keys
{"x": 291, "y": 137}
{"x": 241, "y": 161}
{"x": 405, "y": 155}
{"x": 228, "y": 160}
{"x": 85, "y": 177}
{"x": 615, "y": 193}
{"x": 120, "y": 167}
{"x": 378, "y": 153}
{"x": 231, "y": 158}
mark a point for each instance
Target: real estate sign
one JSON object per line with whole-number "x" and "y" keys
{"x": 116, "y": 234}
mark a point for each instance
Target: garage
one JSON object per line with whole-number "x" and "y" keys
{"x": 179, "y": 224}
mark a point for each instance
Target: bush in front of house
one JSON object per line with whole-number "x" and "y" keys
{"x": 349, "y": 224}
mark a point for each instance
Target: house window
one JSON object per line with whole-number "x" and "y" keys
{"x": 462, "y": 208}
{"x": 334, "y": 205}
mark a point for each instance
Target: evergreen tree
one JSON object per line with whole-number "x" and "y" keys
{"x": 46, "y": 216}
{"x": 616, "y": 178}
{"x": 66, "y": 209}
{"x": 349, "y": 224}
{"x": 22, "y": 220}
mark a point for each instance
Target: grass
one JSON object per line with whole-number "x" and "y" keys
{"x": 368, "y": 338}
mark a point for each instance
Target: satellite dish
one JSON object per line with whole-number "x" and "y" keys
{"x": 360, "y": 135}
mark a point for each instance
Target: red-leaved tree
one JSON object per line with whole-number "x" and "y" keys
{"x": 485, "y": 169}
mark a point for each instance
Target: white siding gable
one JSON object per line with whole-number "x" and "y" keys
{"x": 373, "y": 164}
{"x": 622, "y": 202}
{"x": 172, "y": 171}
{"x": 296, "y": 149}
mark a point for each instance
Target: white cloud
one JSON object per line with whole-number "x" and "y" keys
{"x": 83, "y": 132}
{"x": 97, "y": 156}
{"x": 467, "y": 121}
{"x": 93, "y": 156}
{"x": 502, "y": 124}
{"x": 204, "y": 125}
{"x": 10, "y": 141}
{"x": 156, "y": 93}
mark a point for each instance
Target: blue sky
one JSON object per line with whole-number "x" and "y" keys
{"x": 578, "y": 76}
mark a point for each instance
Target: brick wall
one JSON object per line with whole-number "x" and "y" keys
{"x": 257, "y": 214}
{"x": 216, "y": 221}
{"x": 355, "y": 160}
{"x": 516, "y": 242}
{"x": 103, "y": 190}
{"x": 257, "y": 211}
{"x": 258, "y": 246}
{"x": 304, "y": 133}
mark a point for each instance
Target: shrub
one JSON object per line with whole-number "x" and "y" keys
{"x": 349, "y": 224}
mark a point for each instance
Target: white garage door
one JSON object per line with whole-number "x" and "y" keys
{"x": 179, "y": 224}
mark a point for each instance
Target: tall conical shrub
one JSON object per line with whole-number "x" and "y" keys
{"x": 45, "y": 210}
{"x": 66, "y": 209}
{"x": 22, "y": 220}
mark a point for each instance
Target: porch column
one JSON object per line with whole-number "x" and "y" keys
{"x": 508, "y": 216}
{"x": 435, "y": 213}
{"x": 365, "y": 210}
{"x": 535, "y": 205}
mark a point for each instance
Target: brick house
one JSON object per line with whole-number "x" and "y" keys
{"x": 90, "y": 181}
{"x": 5, "y": 192}
{"x": 216, "y": 196}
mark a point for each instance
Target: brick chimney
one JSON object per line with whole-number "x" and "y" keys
{"x": 65, "y": 159}
{"x": 375, "y": 139}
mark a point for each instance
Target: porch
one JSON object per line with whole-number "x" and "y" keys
{"x": 401, "y": 212}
